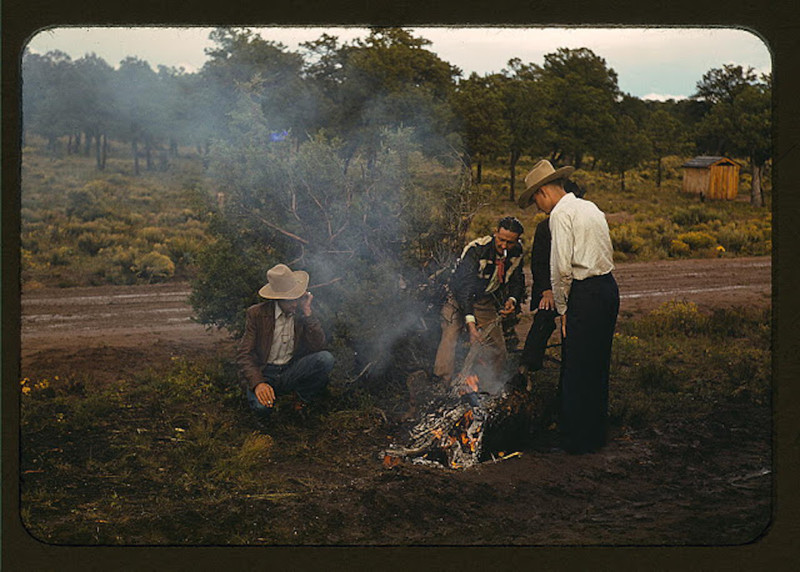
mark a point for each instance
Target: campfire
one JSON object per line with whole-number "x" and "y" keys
{"x": 465, "y": 427}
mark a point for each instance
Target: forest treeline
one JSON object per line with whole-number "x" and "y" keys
{"x": 568, "y": 108}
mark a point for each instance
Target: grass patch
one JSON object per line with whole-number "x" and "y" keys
{"x": 679, "y": 362}
{"x": 80, "y": 226}
{"x": 83, "y": 227}
{"x": 175, "y": 457}
{"x": 157, "y": 459}
{"x": 646, "y": 222}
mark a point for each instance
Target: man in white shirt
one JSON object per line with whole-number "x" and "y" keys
{"x": 282, "y": 349}
{"x": 587, "y": 299}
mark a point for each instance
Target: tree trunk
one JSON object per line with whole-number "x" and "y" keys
{"x": 69, "y": 145}
{"x": 87, "y": 146}
{"x": 622, "y": 180}
{"x": 756, "y": 194}
{"x": 513, "y": 174}
{"x": 148, "y": 154}
{"x": 478, "y": 171}
{"x": 173, "y": 148}
{"x": 98, "y": 153}
{"x": 105, "y": 150}
{"x": 578, "y": 160}
{"x": 135, "y": 146}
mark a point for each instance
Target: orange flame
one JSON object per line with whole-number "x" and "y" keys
{"x": 390, "y": 461}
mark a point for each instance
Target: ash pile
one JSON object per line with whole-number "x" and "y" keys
{"x": 462, "y": 426}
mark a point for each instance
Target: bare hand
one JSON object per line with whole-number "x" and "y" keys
{"x": 547, "y": 301}
{"x": 265, "y": 394}
{"x": 508, "y": 309}
{"x": 305, "y": 303}
{"x": 475, "y": 336}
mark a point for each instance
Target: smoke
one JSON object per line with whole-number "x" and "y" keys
{"x": 357, "y": 192}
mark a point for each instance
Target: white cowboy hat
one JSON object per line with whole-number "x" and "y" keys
{"x": 284, "y": 284}
{"x": 541, "y": 174}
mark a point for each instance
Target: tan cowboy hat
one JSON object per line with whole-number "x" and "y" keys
{"x": 541, "y": 174}
{"x": 284, "y": 284}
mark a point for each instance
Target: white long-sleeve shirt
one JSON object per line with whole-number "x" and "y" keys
{"x": 580, "y": 248}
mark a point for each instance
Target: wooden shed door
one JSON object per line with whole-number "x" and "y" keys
{"x": 724, "y": 183}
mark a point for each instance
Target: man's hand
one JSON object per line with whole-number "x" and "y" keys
{"x": 305, "y": 304}
{"x": 265, "y": 394}
{"x": 563, "y": 325}
{"x": 508, "y": 309}
{"x": 475, "y": 336}
{"x": 547, "y": 302}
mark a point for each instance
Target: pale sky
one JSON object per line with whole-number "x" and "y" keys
{"x": 651, "y": 63}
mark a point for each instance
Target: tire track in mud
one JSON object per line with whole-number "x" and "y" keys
{"x": 104, "y": 312}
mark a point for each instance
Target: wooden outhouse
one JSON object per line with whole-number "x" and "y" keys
{"x": 713, "y": 177}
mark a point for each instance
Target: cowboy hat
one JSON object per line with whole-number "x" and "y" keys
{"x": 541, "y": 174}
{"x": 284, "y": 284}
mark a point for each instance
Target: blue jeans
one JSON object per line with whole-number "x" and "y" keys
{"x": 306, "y": 376}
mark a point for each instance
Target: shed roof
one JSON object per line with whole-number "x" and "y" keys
{"x": 705, "y": 161}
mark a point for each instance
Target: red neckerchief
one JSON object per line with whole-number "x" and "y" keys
{"x": 501, "y": 268}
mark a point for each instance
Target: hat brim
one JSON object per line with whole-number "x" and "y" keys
{"x": 300, "y": 276}
{"x": 525, "y": 198}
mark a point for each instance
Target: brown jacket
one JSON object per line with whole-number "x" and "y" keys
{"x": 257, "y": 339}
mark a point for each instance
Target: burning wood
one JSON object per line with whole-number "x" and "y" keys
{"x": 465, "y": 427}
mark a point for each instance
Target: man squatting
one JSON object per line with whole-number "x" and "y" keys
{"x": 587, "y": 300}
{"x": 486, "y": 286}
{"x": 282, "y": 349}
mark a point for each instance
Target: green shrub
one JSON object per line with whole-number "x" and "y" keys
{"x": 693, "y": 215}
{"x": 733, "y": 238}
{"x": 625, "y": 239}
{"x": 152, "y": 234}
{"x": 154, "y": 267}
{"x": 674, "y": 316}
{"x": 91, "y": 243}
{"x": 697, "y": 240}
{"x": 86, "y": 204}
{"x": 183, "y": 250}
{"x": 678, "y": 247}
{"x": 61, "y": 256}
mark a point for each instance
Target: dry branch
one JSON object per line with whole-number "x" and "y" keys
{"x": 282, "y": 231}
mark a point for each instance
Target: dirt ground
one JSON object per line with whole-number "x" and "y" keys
{"x": 649, "y": 487}
{"x": 111, "y": 329}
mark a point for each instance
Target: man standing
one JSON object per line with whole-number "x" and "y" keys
{"x": 586, "y": 298}
{"x": 281, "y": 351}
{"x": 486, "y": 286}
{"x": 542, "y": 302}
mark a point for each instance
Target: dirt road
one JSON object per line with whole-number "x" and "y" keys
{"x": 144, "y": 315}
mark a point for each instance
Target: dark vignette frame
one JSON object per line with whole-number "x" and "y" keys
{"x": 778, "y": 26}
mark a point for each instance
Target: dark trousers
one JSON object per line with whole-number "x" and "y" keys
{"x": 538, "y": 336}
{"x": 586, "y": 359}
{"x": 306, "y": 376}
